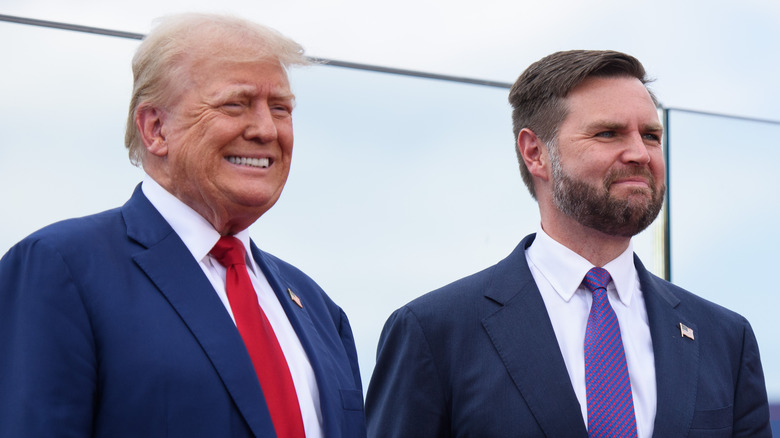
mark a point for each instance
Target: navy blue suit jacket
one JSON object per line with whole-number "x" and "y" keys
{"x": 109, "y": 328}
{"x": 479, "y": 358}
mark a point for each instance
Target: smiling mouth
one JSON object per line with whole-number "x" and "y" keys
{"x": 262, "y": 163}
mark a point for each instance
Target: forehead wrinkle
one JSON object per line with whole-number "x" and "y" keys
{"x": 247, "y": 90}
{"x": 235, "y": 90}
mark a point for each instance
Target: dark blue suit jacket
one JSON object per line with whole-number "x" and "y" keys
{"x": 479, "y": 358}
{"x": 109, "y": 328}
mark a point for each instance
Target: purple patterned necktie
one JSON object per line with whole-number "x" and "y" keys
{"x": 610, "y": 406}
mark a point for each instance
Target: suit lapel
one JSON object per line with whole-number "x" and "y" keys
{"x": 299, "y": 316}
{"x": 170, "y": 266}
{"x": 522, "y": 332}
{"x": 523, "y": 335}
{"x": 676, "y": 357}
{"x": 315, "y": 347}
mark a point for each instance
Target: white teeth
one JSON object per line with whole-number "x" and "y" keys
{"x": 253, "y": 162}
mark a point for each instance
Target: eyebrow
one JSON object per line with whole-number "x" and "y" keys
{"x": 616, "y": 126}
{"x": 249, "y": 90}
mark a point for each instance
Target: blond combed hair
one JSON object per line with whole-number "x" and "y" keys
{"x": 159, "y": 67}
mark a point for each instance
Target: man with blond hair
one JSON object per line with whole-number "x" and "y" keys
{"x": 162, "y": 317}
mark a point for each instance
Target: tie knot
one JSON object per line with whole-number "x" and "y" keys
{"x": 229, "y": 251}
{"x": 597, "y": 278}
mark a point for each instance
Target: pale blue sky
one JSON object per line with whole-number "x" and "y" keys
{"x": 718, "y": 56}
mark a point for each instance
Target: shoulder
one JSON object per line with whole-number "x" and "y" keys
{"x": 458, "y": 307}
{"x": 671, "y": 303}
{"x": 283, "y": 266}
{"x": 725, "y": 355}
{"x": 497, "y": 284}
{"x": 453, "y": 297}
{"x": 71, "y": 235}
{"x": 287, "y": 271}
{"x": 67, "y": 256}
{"x": 293, "y": 280}
{"x": 656, "y": 288}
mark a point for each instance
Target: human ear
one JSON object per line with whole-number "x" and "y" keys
{"x": 149, "y": 122}
{"x": 530, "y": 147}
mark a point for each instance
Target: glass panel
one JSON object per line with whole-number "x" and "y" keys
{"x": 724, "y": 215}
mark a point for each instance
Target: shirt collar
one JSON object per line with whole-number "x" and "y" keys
{"x": 196, "y": 232}
{"x": 565, "y": 269}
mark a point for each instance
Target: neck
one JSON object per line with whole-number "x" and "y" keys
{"x": 594, "y": 246}
{"x": 226, "y": 221}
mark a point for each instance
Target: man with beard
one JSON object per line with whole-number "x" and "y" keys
{"x": 570, "y": 336}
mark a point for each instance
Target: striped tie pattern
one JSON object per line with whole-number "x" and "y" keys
{"x": 610, "y": 406}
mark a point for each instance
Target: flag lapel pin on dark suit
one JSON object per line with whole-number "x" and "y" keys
{"x": 686, "y": 332}
{"x": 297, "y": 300}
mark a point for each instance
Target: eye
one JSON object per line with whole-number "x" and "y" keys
{"x": 606, "y": 134}
{"x": 233, "y": 107}
{"x": 652, "y": 137}
{"x": 281, "y": 110}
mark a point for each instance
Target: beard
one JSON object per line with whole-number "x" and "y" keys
{"x": 594, "y": 207}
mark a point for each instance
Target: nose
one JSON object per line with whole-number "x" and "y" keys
{"x": 636, "y": 150}
{"x": 261, "y": 125}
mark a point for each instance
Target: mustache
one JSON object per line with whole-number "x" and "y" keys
{"x": 630, "y": 172}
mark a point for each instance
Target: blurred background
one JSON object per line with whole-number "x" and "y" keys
{"x": 401, "y": 183}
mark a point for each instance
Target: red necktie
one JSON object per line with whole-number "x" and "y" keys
{"x": 267, "y": 356}
{"x": 610, "y": 405}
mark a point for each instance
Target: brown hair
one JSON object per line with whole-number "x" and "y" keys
{"x": 537, "y": 97}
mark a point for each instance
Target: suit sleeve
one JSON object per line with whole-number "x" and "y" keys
{"x": 751, "y": 409}
{"x": 47, "y": 366}
{"x": 406, "y": 397}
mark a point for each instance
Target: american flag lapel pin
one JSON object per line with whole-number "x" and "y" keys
{"x": 297, "y": 300}
{"x": 686, "y": 332}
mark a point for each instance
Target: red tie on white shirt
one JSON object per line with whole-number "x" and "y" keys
{"x": 264, "y": 350}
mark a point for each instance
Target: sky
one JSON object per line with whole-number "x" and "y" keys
{"x": 402, "y": 185}
{"x": 716, "y": 56}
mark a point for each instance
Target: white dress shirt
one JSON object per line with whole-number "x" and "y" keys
{"x": 558, "y": 272}
{"x": 200, "y": 237}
